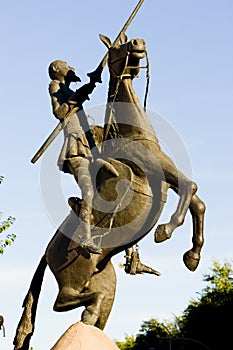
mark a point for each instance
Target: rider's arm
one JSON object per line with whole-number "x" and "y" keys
{"x": 81, "y": 95}
{"x": 73, "y": 104}
{"x": 61, "y": 109}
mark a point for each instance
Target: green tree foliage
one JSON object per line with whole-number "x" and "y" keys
{"x": 128, "y": 344}
{"x": 205, "y": 323}
{"x": 5, "y": 224}
{"x": 157, "y": 334}
{"x": 219, "y": 278}
{"x": 152, "y": 334}
{"x": 207, "y": 319}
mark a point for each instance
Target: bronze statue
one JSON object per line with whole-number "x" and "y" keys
{"x": 136, "y": 197}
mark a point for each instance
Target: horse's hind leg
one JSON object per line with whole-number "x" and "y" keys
{"x": 192, "y": 256}
{"x": 69, "y": 299}
{"x": 105, "y": 282}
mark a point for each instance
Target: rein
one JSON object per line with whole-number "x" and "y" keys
{"x": 123, "y": 75}
{"x": 147, "y": 80}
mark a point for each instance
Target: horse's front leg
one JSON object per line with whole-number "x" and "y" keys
{"x": 185, "y": 188}
{"x": 197, "y": 209}
{"x": 192, "y": 256}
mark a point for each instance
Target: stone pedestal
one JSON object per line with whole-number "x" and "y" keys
{"x": 83, "y": 337}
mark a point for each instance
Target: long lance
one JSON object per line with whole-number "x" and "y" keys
{"x": 81, "y": 113}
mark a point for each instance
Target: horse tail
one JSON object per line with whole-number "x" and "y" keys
{"x": 25, "y": 327}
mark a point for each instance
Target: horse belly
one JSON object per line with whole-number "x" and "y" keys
{"x": 124, "y": 208}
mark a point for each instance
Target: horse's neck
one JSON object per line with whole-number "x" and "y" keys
{"x": 125, "y": 111}
{"x": 122, "y": 92}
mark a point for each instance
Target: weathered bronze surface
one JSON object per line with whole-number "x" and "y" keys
{"x": 126, "y": 205}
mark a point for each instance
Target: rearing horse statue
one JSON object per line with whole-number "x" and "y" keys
{"x": 125, "y": 207}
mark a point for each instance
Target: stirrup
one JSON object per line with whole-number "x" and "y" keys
{"x": 90, "y": 245}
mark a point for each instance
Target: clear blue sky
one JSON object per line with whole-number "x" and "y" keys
{"x": 191, "y": 53}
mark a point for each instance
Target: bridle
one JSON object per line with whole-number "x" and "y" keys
{"x": 124, "y": 75}
{"x": 120, "y": 77}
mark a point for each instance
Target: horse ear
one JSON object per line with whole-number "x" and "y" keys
{"x": 105, "y": 40}
{"x": 123, "y": 38}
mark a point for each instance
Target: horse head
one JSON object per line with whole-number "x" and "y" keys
{"x": 124, "y": 58}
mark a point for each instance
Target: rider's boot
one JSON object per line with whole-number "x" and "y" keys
{"x": 84, "y": 214}
{"x": 133, "y": 265}
{"x": 85, "y": 226}
{"x": 80, "y": 169}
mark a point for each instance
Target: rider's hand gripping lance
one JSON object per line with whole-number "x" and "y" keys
{"x": 83, "y": 118}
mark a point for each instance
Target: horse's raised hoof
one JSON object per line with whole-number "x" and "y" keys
{"x": 191, "y": 260}
{"x": 162, "y": 233}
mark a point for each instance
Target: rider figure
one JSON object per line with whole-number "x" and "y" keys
{"x": 75, "y": 155}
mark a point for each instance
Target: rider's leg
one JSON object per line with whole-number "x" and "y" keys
{"x": 185, "y": 189}
{"x": 80, "y": 170}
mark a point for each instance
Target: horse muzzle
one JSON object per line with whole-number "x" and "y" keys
{"x": 137, "y": 48}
